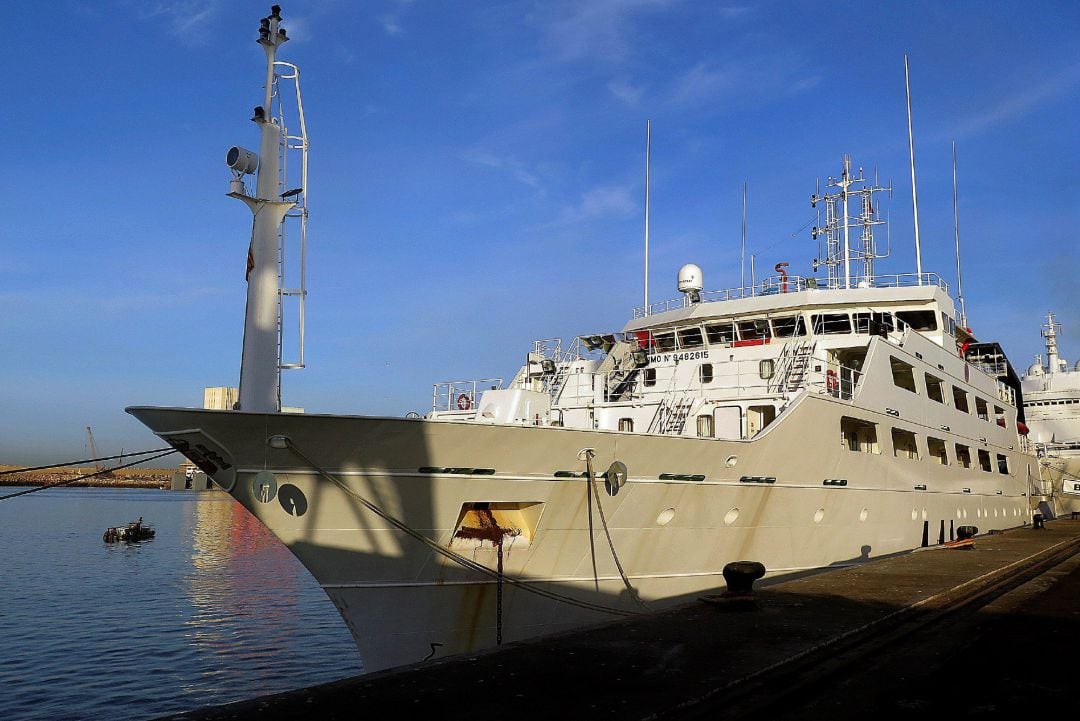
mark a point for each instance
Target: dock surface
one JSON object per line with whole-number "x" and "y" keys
{"x": 959, "y": 632}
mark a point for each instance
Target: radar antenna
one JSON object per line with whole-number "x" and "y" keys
{"x": 839, "y": 255}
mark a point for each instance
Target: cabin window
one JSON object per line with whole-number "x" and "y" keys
{"x": 980, "y": 409}
{"x": 664, "y": 341}
{"x": 626, "y": 424}
{"x": 936, "y": 448}
{"x": 903, "y": 375}
{"x": 948, "y": 323}
{"x": 934, "y": 389}
{"x": 918, "y": 319}
{"x": 705, "y": 372}
{"x": 831, "y": 323}
{"x": 788, "y": 327}
{"x": 753, "y": 329}
{"x": 999, "y": 416}
{"x": 691, "y": 337}
{"x": 859, "y": 435}
{"x": 904, "y": 444}
{"x": 963, "y": 456}
{"x": 766, "y": 368}
{"x": 1003, "y": 464}
{"x": 650, "y": 377}
{"x": 960, "y": 400}
{"x": 984, "y": 461}
{"x": 705, "y": 426}
{"x": 720, "y": 333}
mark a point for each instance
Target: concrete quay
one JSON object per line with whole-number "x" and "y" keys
{"x": 888, "y": 637}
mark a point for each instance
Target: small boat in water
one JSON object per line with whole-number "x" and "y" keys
{"x": 131, "y": 533}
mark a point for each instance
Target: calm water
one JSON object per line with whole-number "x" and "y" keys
{"x": 212, "y": 610}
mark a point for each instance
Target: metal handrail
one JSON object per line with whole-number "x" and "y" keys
{"x": 780, "y": 284}
{"x": 446, "y": 396}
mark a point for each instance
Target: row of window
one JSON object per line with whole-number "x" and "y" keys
{"x": 729, "y": 332}
{"x": 904, "y": 377}
{"x": 1065, "y": 402}
{"x": 861, "y": 436}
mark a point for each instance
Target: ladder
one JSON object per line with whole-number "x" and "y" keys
{"x": 794, "y": 365}
{"x": 671, "y": 415}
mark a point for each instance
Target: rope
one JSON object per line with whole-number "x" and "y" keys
{"x": 454, "y": 556}
{"x": 168, "y": 452}
{"x": 611, "y": 544}
{"x": 85, "y": 460}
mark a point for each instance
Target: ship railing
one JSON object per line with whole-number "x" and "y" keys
{"x": 780, "y": 284}
{"x": 461, "y": 395}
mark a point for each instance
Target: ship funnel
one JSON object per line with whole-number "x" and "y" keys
{"x": 241, "y": 160}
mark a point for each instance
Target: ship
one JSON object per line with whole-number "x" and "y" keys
{"x": 798, "y": 421}
{"x": 1052, "y": 407}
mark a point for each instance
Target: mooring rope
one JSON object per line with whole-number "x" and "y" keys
{"x": 102, "y": 472}
{"x": 68, "y": 464}
{"x": 454, "y": 556}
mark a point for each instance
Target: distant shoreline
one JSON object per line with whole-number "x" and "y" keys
{"x": 160, "y": 478}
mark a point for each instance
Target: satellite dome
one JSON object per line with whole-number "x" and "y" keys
{"x": 690, "y": 278}
{"x": 1036, "y": 369}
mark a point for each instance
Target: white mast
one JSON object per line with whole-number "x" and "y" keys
{"x": 648, "y": 151}
{"x": 1050, "y": 329}
{"x": 914, "y": 195}
{"x": 956, "y": 232}
{"x": 260, "y": 387}
{"x": 742, "y": 253}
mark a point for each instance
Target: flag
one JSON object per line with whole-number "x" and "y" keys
{"x": 250, "y": 259}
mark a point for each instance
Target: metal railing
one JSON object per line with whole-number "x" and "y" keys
{"x": 780, "y": 284}
{"x": 461, "y": 395}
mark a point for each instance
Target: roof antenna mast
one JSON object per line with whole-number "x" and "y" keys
{"x": 648, "y": 150}
{"x": 914, "y": 195}
{"x": 956, "y": 232}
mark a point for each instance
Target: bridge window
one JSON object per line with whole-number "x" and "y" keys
{"x": 903, "y": 375}
{"x": 984, "y": 461}
{"x": 664, "y": 341}
{"x": 904, "y": 444}
{"x": 691, "y": 338}
{"x": 936, "y": 447}
{"x": 859, "y": 435}
{"x": 753, "y": 329}
{"x": 720, "y": 333}
{"x": 934, "y": 389}
{"x": 960, "y": 400}
{"x": 963, "y": 456}
{"x": 874, "y": 323}
{"x": 919, "y": 319}
{"x": 831, "y": 323}
{"x": 788, "y": 327}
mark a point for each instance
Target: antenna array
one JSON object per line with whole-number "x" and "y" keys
{"x": 837, "y": 255}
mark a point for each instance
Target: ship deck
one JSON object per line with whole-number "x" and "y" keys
{"x": 952, "y": 632}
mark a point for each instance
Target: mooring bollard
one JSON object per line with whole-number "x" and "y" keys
{"x": 1037, "y": 521}
{"x": 740, "y": 577}
{"x": 965, "y": 532}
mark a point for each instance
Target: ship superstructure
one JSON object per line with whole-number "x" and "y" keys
{"x": 801, "y": 422}
{"x": 1052, "y": 407}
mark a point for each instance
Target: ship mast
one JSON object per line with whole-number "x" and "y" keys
{"x": 1049, "y": 332}
{"x": 271, "y": 204}
{"x": 849, "y": 267}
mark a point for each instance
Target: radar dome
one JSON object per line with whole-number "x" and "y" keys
{"x": 1036, "y": 369}
{"x": 690, "y": 278}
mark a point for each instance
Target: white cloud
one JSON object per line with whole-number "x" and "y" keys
{"x": 391, "y": 25}
{"x": 626, "y": 91}
{"x": 596, "y": 28}
{"x": 187, "y": 19}
{"x": 517, "y": 169}
{"x": 602, "y": 202}
{"x": 1019, "y": 104}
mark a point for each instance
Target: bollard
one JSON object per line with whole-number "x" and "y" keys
{"x": 740, "y": 577}
{"x": 1037, "y": 521}
{"x": 965, "y": 532}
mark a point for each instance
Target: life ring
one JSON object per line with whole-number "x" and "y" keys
{"x": 464, "y": 403}
{"x": 831, "y": 381}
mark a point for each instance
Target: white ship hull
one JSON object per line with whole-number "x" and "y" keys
{"x": 672, "y": 537}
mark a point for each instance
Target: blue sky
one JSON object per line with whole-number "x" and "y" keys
{"x": 477, "y": 180}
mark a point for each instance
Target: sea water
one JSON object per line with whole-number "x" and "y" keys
{"x": 213, "y": 609}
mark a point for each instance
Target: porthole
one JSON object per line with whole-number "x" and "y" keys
{"x": 819, "y": 515}
{"x": 731, "y": 461}
{"x": 924, "y": 514}
{"x": 731, "y": 516}
{"x": 914, "y": 514}
{"x": 665, "y": 516}
{"x": 965, "y": 513}
{"x": 264, "y": 486}
{"x": 864, "y": 514}
{"x": 958, "y": 514}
